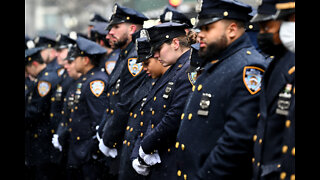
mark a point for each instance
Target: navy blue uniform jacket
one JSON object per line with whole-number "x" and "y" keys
{"x": 86, "y": 113}
{"x": 214, "y": 140}
{"x": 163, "y": 109}
{"x": 274, "y": 148}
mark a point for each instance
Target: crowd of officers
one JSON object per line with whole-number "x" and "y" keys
{"x": 165, "y": 102}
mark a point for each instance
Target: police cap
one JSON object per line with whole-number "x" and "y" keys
{"x": 123, "y": 14}
{"x": 85, "y": 47}
{"x": 96, "y": 18}
{"x": 164, "y": 32}
{"x": 284, "y": 9}
{"x": 266, "y": 11}
{"x": 44, "y": 41}
{"x": 64, "y": 41}
{"x": 170, "y": 14}
{"x": 212, "y": 11}
{"x": 32, "y": 54}
{"x": 143, "y": 48}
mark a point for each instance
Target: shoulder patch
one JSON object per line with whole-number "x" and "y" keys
{"x": 60, "y": 72}
{"x": 97, "y": 87}
{"x": 252, "y": 77}
{"x": 43, "y": 88}
{"x": 134, "y": 68}
{"x": 192, "y": 76}
{"x": 109, "y": 66}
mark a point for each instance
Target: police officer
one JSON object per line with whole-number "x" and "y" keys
{"x": 214, "y": 140}
{"x": 88, "y": 106}
{"x": 131, "y": 114}
{"x": 63, "y": 43}
{"x": 274, "y": 142}
{"x": 109, "y": 60}
{"x": 48, "y": 53}
{"x": 127, "y": 75}
{"x": 37, "y": 115}
{"x": 165, "y": 102}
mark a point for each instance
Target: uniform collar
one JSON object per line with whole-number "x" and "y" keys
{"x": 242, "y": 42}
{"x": 124, "y": 52}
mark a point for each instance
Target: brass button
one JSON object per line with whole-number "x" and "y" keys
{"x": 152, "y": 112}
{"x": 182, "y": 116}
{"x": 190, "y": 116}
{"x": 128, "y": 144}
{"x": 260, "y": 141}
{"x": 52, "y": 131}
{"x": 225, "y": 13}
{"x": 125, "y": 142}
{"x": 78, "y": 138}
{"x": 152, "y": 126}
{"x": 51, "y": 114}
{"x": 141, "y": 123}
{"x": 164, "y": 106}
{"x": 199, "y": 87}
{"x": 70, "y": 119}
{"x": 177, "y": 145}
{"x": 193, "y": 88}
{"x": 141, "y": 134}
{"x": 284, "y": 149}
{"x": 182, "y": 147}
{"x": 141, "y": 113}
{"x": 154, "y": 98}
{"x": 255, "y": 137}
{"x": 35, "y": 135}
{"x": 131, "y": 129}
{"x": 112, "y": 111}
{"x": 283, "y": 175}
{"x": 179, "y": 173}
{"x": 131, "y": 114}
{"x": 288, "y": 123}
{"x": 134, "y": 116}
{"x": 293, "y": 151}
{"x": 128, "y": 127}
{"x": 185, "y": 176}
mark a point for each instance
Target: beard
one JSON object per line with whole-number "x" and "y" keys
{"x": 121, "y": 42}
{"x": 213, "y": 50}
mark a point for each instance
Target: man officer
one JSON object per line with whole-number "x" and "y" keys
{"x": 214, "y": 140}
{"x": 274, "y": 142}
{"x": 37, "y": 116}
{"x": 127, "y": 75}
{"x": 88, "y": 106}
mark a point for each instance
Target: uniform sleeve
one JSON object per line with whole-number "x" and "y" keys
{"x": 114, "y": 128}
{"x": 234, "y": 148}
{"x": 96, "y": 101}
{"x": 168, "y": 127}
{"x": 40, "y": 103}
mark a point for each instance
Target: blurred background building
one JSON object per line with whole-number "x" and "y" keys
{"x": 49, "y": 17}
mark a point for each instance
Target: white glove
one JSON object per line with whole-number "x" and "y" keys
{"x": 97, "y": 134}
{"x": 55, "y": 142}
{"x": 139, "y": 168}
{"x": 109, "y": 152}
{"x": 150, "y": 159}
